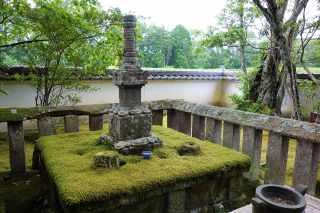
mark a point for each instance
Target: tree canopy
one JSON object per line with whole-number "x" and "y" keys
{"x": 68, "y": 40}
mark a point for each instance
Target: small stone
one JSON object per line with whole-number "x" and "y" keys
{"x": 106, "y": 139}
{"x": 120, "y": 144}
{"x": 105, "y": 160}
{"x": 189, "y": 148}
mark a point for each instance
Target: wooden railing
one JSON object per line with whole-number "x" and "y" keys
{"x": 206, "y": 125}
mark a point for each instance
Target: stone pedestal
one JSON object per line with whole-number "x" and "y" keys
{"x": 95, "y": 122}
{"x": 71, "y": 123}
{"x": 130, "y": 127}
{"x": 16, "y": 145}
{"x": 130, "y": 124}
{"x": 44, "y": 129}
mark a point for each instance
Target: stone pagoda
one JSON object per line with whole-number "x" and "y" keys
{"x": 130, "y": 123}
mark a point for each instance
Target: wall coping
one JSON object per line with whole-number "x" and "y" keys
{"x": 162, "y": 74}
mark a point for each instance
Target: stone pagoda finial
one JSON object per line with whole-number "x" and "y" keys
{"x": 130, "y": 123}
{"x": 130, "y": 73}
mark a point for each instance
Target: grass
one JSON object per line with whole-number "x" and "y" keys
{"x": 312, "y": 70}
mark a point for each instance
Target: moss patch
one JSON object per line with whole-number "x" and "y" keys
{"x": 77, "y": 182}
{"x": 23, "y": 193}
{"x": 189, "y": 148}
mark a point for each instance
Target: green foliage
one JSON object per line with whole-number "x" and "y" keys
{"x": 3, "y": 76}
{"x": 249, "y": 100}
{"x": 311, "y": 96}
{"x": 69, "y": 40}
{"x": 161, "y": 48}
{"x": 78, "y": 183}
{"x": 234, "y": 21}
{"x": 155, "y": 47}
{"x": 182, "y": 48}
{"x": 255, "y": 167}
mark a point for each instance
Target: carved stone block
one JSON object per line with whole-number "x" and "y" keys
{"x": 137, "y": 146}
{"x": 130, "y": 127}
{"x": 130, "y": 97}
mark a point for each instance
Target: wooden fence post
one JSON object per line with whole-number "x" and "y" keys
{"x": 95, "y": 122}
{"x": 231, "y": 136}
{"x": 277, "y": 154}
{"x": 187, "y": 120}
{"x": 213, "y": 130}
{"x": 157, "y": 117}
{"x": 306, "y": 165}
{"x": 175, "y": 120}
{"x": 170, "y": 118}
{"x": 182, "y": 122}
{"x": 251, "y": 146}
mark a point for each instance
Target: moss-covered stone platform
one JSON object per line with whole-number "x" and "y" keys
{"x": 167, "y": 182}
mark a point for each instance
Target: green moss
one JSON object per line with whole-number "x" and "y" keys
{"x": 164, "y": 103}
{"x": 25, "y": 195}
{"x": 77, "y": 182}
{"x": 249, "y": 190}
{"x": 189, "y": 148}
{"x": 20, "y": 113}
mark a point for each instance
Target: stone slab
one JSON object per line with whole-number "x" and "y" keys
{"x": 293, "y": 128}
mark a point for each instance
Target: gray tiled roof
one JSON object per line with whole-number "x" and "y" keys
{"x": 165, "y": 74}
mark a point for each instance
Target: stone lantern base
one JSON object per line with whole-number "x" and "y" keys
{"x": 130, "y": 127}
{"x": 131, "y": 130}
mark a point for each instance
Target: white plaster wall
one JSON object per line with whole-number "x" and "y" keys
{"x": 198, "y": 91}
{"x": 213, "y": 92}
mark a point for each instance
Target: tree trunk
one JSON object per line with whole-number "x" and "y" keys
{"x": 242, "y": 39}
{"x": 275, "y": 82}
{"x": 243, "y": 60}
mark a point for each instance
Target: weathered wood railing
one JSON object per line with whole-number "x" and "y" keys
{"x": 206, "y": 124}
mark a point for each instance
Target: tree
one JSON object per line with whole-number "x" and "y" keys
{"x": 12, "y": 24}
{"x": 67, "y": 41}
{"x": 181, "y": 56}
{"x": 307, "y": 31}
{"x": 279, "y": 71}
{"x": 155, "y": 47}
{"x": 234, "y": 21}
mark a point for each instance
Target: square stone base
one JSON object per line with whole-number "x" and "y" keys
{"x": 130, "y": 127}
